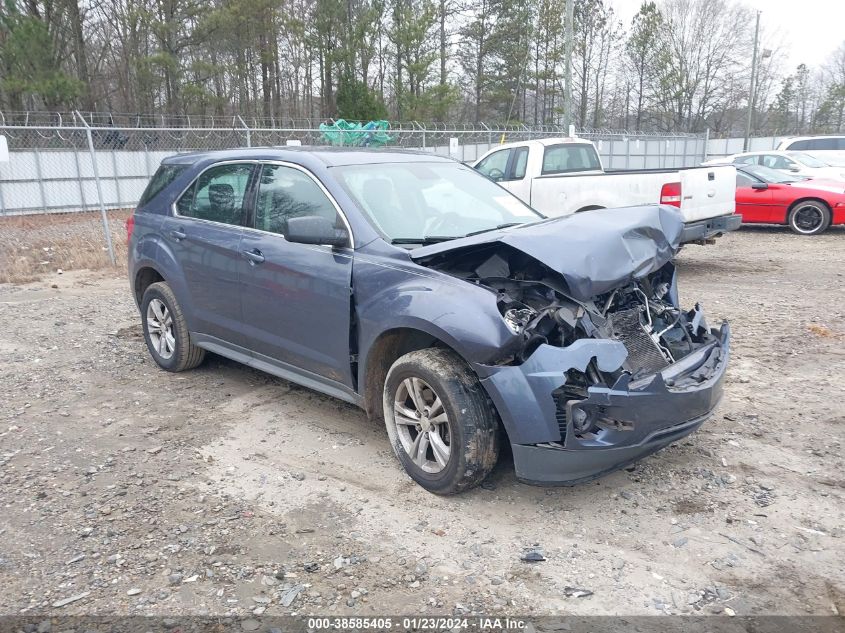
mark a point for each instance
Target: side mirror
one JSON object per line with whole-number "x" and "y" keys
{"x": 760, "y": 186}
{"x": 315, "y": 229}
{"x": 794, "y": 168}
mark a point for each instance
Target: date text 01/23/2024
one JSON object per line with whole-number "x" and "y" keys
{"x": 416, "y": 623}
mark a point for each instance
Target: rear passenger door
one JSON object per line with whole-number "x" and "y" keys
{"x": 204, "y": 235}
{"x": 296, "y": 297}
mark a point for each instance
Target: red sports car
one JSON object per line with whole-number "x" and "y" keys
{"x": 807, "y": 205}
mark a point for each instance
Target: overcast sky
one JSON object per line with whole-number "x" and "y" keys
{"x": 810, "y": 30}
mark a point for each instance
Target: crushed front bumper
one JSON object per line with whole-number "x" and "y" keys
{"x": 632, "y": 419}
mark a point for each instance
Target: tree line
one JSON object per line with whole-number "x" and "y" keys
{"x": 678, "y": 66}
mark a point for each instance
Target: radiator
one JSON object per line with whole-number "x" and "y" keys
{"x": 644, "y": 356}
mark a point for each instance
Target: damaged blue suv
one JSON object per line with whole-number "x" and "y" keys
{"x": 419, "y": 290}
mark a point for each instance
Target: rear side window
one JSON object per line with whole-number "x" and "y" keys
{"x": 519, "y": 163}
{"x": 817, "y": 144}
{"x": 218, "y": 194}
{"x": 561, "y": 159}
{"x": 164, "y": 175}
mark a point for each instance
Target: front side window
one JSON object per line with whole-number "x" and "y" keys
{"x": 495, "y": 165}
{"x": 561, "y": 159}
{"x": 805, "y": 144}
{"x": 742, "y": 180}
{"x": 284, "y": 193}
{"x": 218, "y": 194}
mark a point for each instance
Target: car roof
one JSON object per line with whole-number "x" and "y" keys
{"x": 330, "y": 156}
{"x": 541, "y": 142}
{"x": 762, "y": 151}
{"x": 789, "y": 139}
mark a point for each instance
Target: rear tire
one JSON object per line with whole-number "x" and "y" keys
{"x": 165, "y": 330}
{"x": 809, "y": 217}
{"x": 440, "y": 422}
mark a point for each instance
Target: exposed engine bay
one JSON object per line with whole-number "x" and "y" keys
{"x": 536, "y": 305}
{"x": 592, "y": 363}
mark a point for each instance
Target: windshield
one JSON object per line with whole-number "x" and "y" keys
{"x": 415, "y": 203}
{"x": 767, "y": 174}
{"x": 806, "y": 159}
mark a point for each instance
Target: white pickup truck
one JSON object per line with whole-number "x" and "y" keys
{"x": 561, "y": 176}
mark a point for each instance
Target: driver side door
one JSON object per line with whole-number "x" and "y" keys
{"x": 754, "y": 205}
{"x": 296, "y": 298}
{"x": 495, "y": 166}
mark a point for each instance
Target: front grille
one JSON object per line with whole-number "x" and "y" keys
{"x": 560, "y": 415}
{"x": 643, "y": 354}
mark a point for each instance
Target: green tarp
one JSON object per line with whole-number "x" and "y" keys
{"x": 345, "y": 134}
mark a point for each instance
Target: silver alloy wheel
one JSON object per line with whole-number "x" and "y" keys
{"x": 808, "y": 218}
{"x": 160, "y": 328}
{"x": 422, "y": 425}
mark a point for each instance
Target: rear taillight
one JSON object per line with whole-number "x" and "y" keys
{"x": 671, "y": 194}
{"x": 130, "y": 224}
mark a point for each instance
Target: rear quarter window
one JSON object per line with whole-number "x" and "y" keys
{"x": 164, "y": 175}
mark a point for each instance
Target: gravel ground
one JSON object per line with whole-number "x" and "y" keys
{"x": 128, "y": 490}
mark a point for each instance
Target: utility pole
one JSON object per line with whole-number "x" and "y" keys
{"x": 567, "y": 72}
{"x": 753, "y": 87}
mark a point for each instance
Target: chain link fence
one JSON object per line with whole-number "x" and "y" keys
{"x": 66, "y": 162}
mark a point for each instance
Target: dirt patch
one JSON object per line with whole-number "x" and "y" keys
{"x": 32, "y": 246}
{"x": 226, "y": 491}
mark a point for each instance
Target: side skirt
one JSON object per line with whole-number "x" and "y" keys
{"x": 277, "y": 368}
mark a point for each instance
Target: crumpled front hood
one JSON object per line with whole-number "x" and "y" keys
{"x": 594, "y": 251}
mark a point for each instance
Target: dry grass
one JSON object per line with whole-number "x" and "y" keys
{"x": 33, "y": 245}
{"x": 824, "y": 331}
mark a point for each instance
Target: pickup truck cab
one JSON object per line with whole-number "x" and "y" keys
{"x": 562, "y": 176}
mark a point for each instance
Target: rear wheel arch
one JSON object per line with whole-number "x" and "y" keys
{"x": 144, "y": 278}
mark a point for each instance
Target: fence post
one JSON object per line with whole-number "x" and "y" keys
{"x": 706, "y": 143}
{"x": 40, "y": 179}
{"x": 248, "y": 131}
{"x": 99, "y": 186}
{"x": 489, "y": 135}
{"x": 79, "y": 178}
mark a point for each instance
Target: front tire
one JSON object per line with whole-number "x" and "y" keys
{"x": 165, "y": 330}
{"x": 440, "y": 422}
{"x": 809, "y": 217}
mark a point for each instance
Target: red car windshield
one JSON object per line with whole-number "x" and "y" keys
{"x": 766, "y": 174}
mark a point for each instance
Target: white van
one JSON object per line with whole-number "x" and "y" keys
{"x": 830, "y": 149}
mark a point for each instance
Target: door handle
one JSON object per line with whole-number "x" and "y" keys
{"x": 178, "y": 234}
{"x": 254, "y": 256}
